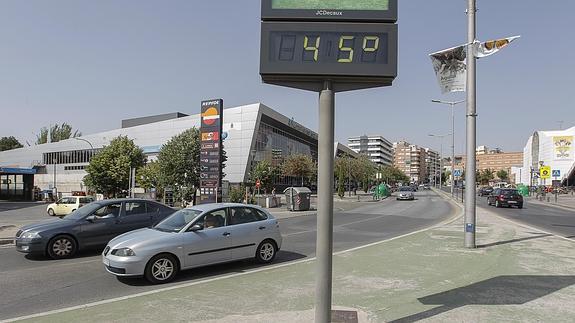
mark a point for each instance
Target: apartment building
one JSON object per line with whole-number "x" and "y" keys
{"x": 420, "y": 164}
{"x": 377, "y": 148}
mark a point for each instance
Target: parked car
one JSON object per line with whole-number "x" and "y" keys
{"x": 505, "y": 197}
{"x": 193, "y": 237}
{"x": 405, "y": 193}
{"x": 485, "y": 191}
{"x": 90, "y": 226}
{"x": 67, "y": 205}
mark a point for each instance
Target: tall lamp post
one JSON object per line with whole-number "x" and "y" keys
{"x": 89, "y": 143}
{"x": 440, "y": 156}
{"x": 452, "y": 104}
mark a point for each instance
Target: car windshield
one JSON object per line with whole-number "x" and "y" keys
{"x": 84, "y": 211}
{"x": 508, "y": 192}
{"x": 178, "y": 220}
{"x": 405, "y": 189}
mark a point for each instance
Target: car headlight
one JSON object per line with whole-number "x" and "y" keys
{"x": 123, "y": 252}
{"x": 29, "y": 235}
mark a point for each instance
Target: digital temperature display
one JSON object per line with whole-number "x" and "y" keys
{"x": 328, "y": 47}
{"x": 316, "y": 51}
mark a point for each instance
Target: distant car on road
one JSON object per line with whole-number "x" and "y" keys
{"x": 405, "y": 193}
{"x": 90, "y": 226}
{"x": 505, "y": 197}
{"x": 193, "y": 237}
{"x": 67, "y": 205}
{"x": 485, "y": 191}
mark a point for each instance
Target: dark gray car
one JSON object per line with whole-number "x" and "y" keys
{"x": 91, "y": 226}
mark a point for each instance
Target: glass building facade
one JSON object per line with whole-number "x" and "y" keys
{"x": 275, "y": 145}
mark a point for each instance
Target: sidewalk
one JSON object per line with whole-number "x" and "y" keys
{"x": 347, "y": 203}
{"x": 515, "y": 275}
{"x": 563, "y": 200}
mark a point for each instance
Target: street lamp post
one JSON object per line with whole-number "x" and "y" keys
{"x": 452, "y": 104}
{"x": 89, "y": 143}
{"x": 441, "y": 157}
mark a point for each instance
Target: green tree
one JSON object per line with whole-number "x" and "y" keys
{"x": 56, "y": 133}
{"x": 109, "y": 170}
{"x": 265, "y": 173}
{"x": 363, "y": 170}
{"x": 485, "y": 176}
{"x": 393, "y": 175}
{"x": 298, "y": 166}
{"x": 9, "y": 143}
{"x": 148, "y": 176}
{"x": 503, "y": 175}
{"x": 179, "y": 163}
{"x": 341, "y": 182}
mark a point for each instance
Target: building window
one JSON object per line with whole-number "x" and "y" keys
{"x": 70, "y": 157}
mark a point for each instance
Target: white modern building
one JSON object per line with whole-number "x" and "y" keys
{"x": 548, "y": 148}
{"x": 252, "y": 133}
{"x": 377, "y": 148}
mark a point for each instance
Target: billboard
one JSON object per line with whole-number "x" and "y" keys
{"x": 563, "y": 147}
{"x": 211, "y": 150}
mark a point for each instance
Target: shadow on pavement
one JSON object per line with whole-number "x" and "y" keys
{"x": 501, "y": 290}
{"x": 7, "y": 206}
{"x": 81, "y": 254}
{"x": 487, "y": 245}
{"x": 218, "y": 270}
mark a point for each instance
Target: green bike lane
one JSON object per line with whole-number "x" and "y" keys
{"x": 517, "y": 274}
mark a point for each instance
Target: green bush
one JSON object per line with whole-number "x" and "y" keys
{"x": 237, "y": 194}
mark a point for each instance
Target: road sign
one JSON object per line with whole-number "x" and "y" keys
{"x": 457, "y": 172}
{"x": 545, "y": 172}
{"x": 556, "y": 173}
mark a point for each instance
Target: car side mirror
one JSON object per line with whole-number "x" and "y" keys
{"x": 196, "y": 227}
{"x": 91, "y": 218}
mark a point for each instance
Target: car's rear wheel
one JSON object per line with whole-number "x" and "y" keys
{"x": 161, "y": 269}
{"x": 51, "y": 212}
{"x": 266, "y": 252}
{"x": 497, "y": 204}
{"x": 61, "y": 247}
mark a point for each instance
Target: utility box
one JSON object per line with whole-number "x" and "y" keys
{"x": 298, "y": 198}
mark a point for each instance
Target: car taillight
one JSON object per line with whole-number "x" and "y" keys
{"x": 501, "y": 197}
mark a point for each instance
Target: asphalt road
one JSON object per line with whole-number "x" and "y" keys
{"x": 33, "y": 285}
{"x": 560, "y": 221}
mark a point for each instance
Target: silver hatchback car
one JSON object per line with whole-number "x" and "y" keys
{"x": 197, "y": 236}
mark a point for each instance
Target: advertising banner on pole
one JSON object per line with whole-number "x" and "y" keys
{"x": 450, "y": 68}
{"x": 211, "y": 150}
{"x": 563, "y": 147}
{"x": 492, "y": 46}
{"x": 450, "y": 64}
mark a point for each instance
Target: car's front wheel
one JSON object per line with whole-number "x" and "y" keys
{"x": 61, "y": 247}
{"x": 266, "y": 252}
{"x": 161, "y": 269}
{"x": 51, "y": 212}
{"x": 497, "y": 204}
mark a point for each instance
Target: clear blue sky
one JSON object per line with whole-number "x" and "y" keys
{"x": 93, "y": 63}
